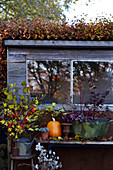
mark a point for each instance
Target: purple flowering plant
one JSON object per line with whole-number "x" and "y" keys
{"x": 91, "y": 110}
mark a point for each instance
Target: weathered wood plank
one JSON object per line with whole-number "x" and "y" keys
{"x": 16, "y": 67}
{"x": 70, "y": 57}
{"x": 55, "y": 52}
{"x": 16, "y": 80}
{"x": 58, "y": 43}
{"x": 17, "y": 58}
{"x": 16, "y": 73}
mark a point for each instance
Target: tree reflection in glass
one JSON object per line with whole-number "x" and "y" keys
{"x": 92, "y": 76}
{"x": 59, "y": 80}
{"x": 50, "y": 79}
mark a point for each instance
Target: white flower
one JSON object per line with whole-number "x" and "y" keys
{"x": 36, "y": 166}
{"x": 53, "y": 153}
{"x": 45, "y": 160}
{"x": 50, "y": 152}
{"x": 57, "y": 166}
{"x": 55, "y": 162}
{"x": 58, "y": 157}
{"x": 44, "y": 150}
{"x": 32, "y": 70}
{"x": 39, "y": 147}
{"x": 50, "y": 159}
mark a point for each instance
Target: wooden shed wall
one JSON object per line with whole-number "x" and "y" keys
{"x": 72, "y": 158}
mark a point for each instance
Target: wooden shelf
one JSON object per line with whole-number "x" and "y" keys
{"x": 73, "y": 143}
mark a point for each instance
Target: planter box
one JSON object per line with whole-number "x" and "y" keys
{"x": 97, "y": 128}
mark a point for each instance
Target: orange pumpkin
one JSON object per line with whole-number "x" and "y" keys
{"x": 54, "y": 128}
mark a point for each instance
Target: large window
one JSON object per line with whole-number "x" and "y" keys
{"x": 62, "y": 81}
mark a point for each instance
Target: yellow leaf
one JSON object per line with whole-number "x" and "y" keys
{"x": 54, "y": 105}
{"x": 11, "y": 85}
{"x": 4, "y": 104}
{"x": 36, "y": 102}
{"x": 27, "y": 126}
{"x": 16, "y": 137}
{"x": 26, "y": 107}
{"x": 2, "y": 121}
{"x": 77, "y": 137}
{"x": 6, "y": 124}
{"x": 12, "y": 134}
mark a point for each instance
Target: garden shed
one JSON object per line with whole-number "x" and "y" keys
{"x": 49, "y": 66}
{"x": 60, "y": 61}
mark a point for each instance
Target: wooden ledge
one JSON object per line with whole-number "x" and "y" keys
{"x": 77, "y": 143}
{"x": 59, "y": 43}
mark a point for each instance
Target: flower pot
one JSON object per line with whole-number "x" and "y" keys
{"x": 45, "y": 135}
{"x": 91, "y": 129}
{"x": 66, "y": 129}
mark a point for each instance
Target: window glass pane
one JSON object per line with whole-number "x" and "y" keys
{"x": 90, "y": 77}
{"x": 50, "y": 79}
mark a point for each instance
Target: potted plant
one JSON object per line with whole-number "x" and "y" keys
{"x": 19, "y": 114}
{"x": 44, "y": 132}
{"x": 92, "y": 120}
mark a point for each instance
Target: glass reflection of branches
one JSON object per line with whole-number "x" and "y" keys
{"x": 49, "y": 78}
{"x": 52, "y": 79}
{"x": 91, "y": 76}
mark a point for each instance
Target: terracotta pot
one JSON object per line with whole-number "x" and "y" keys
{"x": 45, "y": 135}
{"x": 66, "y": 129}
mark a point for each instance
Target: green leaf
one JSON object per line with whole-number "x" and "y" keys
{"x": 14, "y": 100}
{"x": 25, "y": 90}
{"x": 9, "y": 97}
{"x": 11, "y": 106}
{"x": 21, "y": 97}
{"x": 20, "y": 104}
{"x": 31, "y": 129}
{"x": 24, "y": 84}
{"x": 26, "y": 107}
{"x": 36, "y": 129}
{"x": 36, "y": 117}
{"x": 25, "y": 101}
{"x": 36, "y": 126}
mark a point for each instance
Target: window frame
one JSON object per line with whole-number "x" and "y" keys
{"x": 71, "y": 82}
